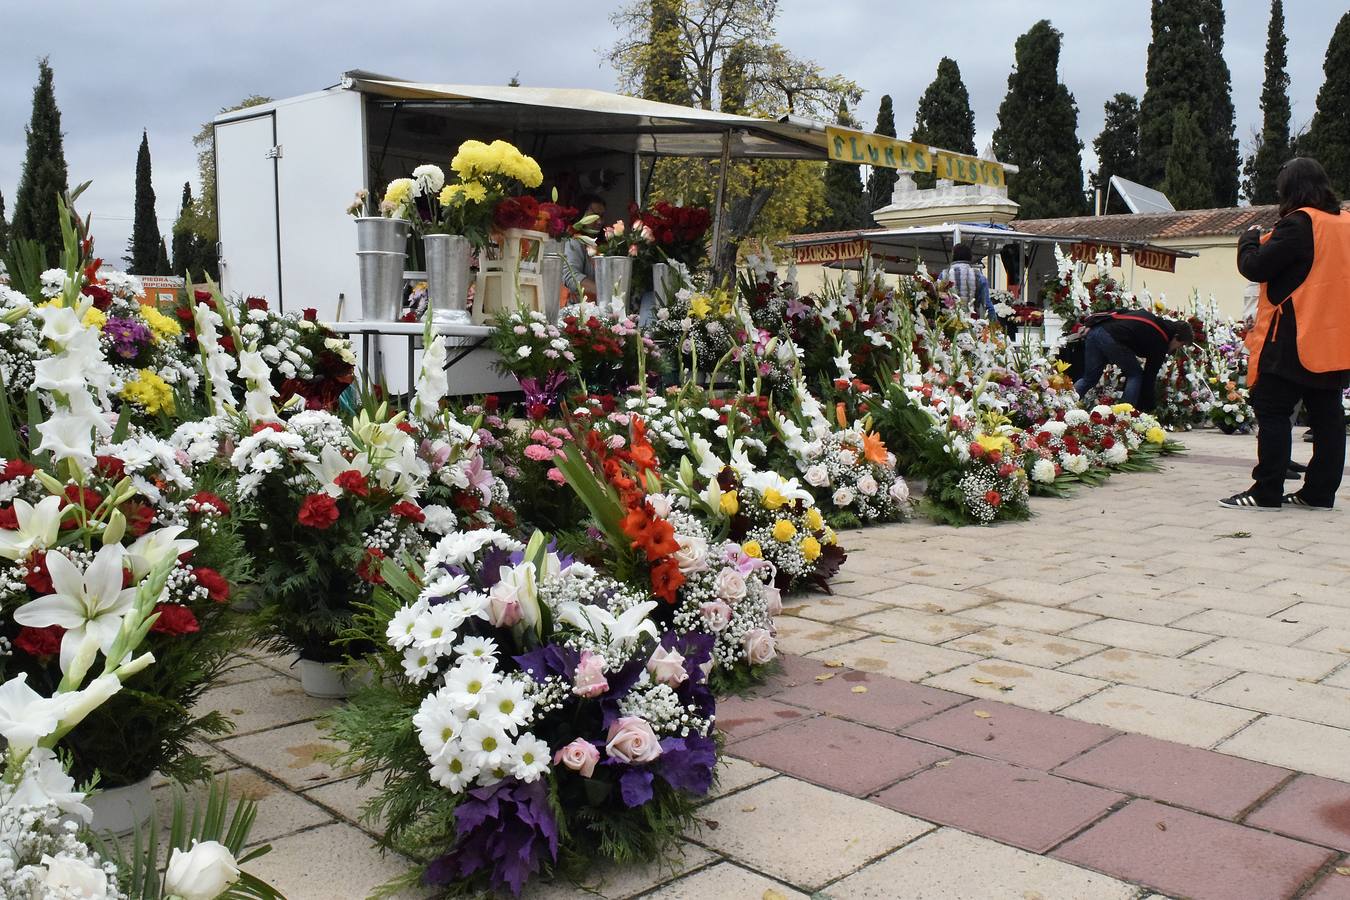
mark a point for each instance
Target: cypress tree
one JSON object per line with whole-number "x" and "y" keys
{"x": 1186, "y": 65}
{"x": 1037, "y": 130}
{"x": 944, "y": 118}
{"x": 44, "y": 171}
{"x": 843, "y": 190}
{"x": 1329, "y": 137}
{"x": 1272, "y": 144}
{"x": 732, "y": 85}
{"x": 184, "y": 251}
{"x": 144, "y": 247}
{"x": 4, "y": 227}
{"x": 1186, "y": 180}
{"x": 1215, "y": 117}
{"x": 1117, "y": 148}
{"x": 663, "y": 75}
{"x": 881, "y": 183}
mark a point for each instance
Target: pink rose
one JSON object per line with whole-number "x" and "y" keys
{"x": 773, "y": 599}
{"x": 716, "y": 615}
{"x": 503, "y": 608}
{"x": 580, "y": 756}
{"x": 632, "y": 740}
{"x": 589, "y": 678}
{"x": 730, "y": 585}
{"x": 667, "y": 667}
{"x": 759, "y": 646}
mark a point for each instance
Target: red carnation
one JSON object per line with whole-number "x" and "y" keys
{"x": 140, "y": 516}
{"x": 1006, "y": 470}
{"x": 268, "y": 426}
{"x": 993, "y": 498}
{"x": 206, "y": 498}
{"x": 110, "y": 467}
{"x": 40, "y": 641}
{"x": 406, "y": 428}
{"x": 38, "y": 578}
{"x": 1108, "y": 442}
{"x": 76, "y": 495}
{"x": 368, "y": 569}
{"x": 174, "y": 619}
{"x": 353, "y": 482}
{"x": 227, "y": 343}
{"x": 217, "y": 588}
{"x": 318, "y": 511}
{"x": 256, "y": 303}
{"x": 202, "y": 296}
{"x": 976, "y": 450}
{"x": 311, "y": 314}
{"x": 408, "y": 510}
{"x": 8, "y": 518}
{"x": 16, "y": 468}
{"x": 491, "y": 403}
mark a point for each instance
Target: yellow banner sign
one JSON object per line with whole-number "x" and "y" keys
{"x": 970, "y": 169}
{"x": 820, "y": 254}
{"x": 865, "y": 149}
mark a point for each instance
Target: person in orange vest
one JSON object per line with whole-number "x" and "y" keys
{"x": 1300, "y": 344}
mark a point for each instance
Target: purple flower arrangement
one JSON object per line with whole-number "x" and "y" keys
{"x": 129, "y": 337}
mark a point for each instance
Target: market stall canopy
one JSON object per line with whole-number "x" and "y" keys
{"x": 898, "y": 249}
{"x": 603, "y": 119}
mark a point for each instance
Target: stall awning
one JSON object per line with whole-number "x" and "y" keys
{"x": 611, "y": 120}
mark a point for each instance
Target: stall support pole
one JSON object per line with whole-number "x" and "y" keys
{"x": 637, "y": 180}
{"x": 721, "y": 196}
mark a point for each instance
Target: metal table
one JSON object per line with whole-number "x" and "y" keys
{"x": 465, "y": 337}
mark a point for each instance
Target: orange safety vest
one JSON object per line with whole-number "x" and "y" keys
{"x": 1321, "y": 303}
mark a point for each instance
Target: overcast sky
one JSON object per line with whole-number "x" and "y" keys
{"x": 168, "y": 66}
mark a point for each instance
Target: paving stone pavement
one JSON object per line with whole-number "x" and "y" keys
{"x": 1136, "y": 694}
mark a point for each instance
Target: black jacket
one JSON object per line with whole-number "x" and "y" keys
{"x": 1145, "y": 341}
{"x": 1282, "y": 263}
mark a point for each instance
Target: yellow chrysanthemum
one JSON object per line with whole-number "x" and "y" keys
{"x": 1120, "y": 408}
{"x": 810, "y": 549}
{"x": 95, "y": 318}
{"x": 814, "y": 520}
{"x": 150, "y": 392}
{"x": 398, "y": 191}
{"x": 162, "y": 328}
{"x": 773, "y": 498}
{"x": 1155, "y": 435}
{"x": 730, "y": 503}
{"x": 784, "y": 531}
{"x": 467, "y": 192}
{"x": 752, "y": 548}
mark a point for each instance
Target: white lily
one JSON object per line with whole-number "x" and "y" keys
{"x": 68, "y": 436}
{"x": 331, "y": 464}
{"x": 604, "y": 626}
{"x": 38, "y": 528}
{"x": 90, "y": 602}
{"x": 153, "y": 546}
{"x": 26, "y": 716}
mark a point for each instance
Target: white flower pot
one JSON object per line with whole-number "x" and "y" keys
{"x": 122, "y": 810}
{"x": 323, "y": 679}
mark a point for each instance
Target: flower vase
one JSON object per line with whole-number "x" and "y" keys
{"x": 550, "y": 286}
{"x": 381, "y": 252}
{"x": 323, "y": 680}
{"x": 613, "y": 281}
{"x": 448, "y": 260}
{"x": 122, "y": 810}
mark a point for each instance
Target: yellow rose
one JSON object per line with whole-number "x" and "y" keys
{"x": 772, "y": 499}
{"x": 752, "y": 548}
{"x": 830, "y": 537}
{"x": 810, "y": 549}
{"x": 784, "y": 531}
{"x": 730, "y": 503}
{"x": 814, "y": 521}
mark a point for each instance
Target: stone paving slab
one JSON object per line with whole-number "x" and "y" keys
{"x": 1010, "y": 733}
{"x": 886, "y": 703}
{"x": 1314, "y": 809}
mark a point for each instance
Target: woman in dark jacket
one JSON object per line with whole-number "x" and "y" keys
{"x": 1298, "y": 344}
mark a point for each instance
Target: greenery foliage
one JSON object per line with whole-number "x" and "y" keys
{"x": 1272, "y": 142}
{"x": 1117, "y": 148}
{"x": 944, "y": 117}
{"x": 43, "y": 179}
{"x": 1037, "y": 130}
{"x": 1329, "y": 136}
{"x": 1184, "y": 179}
{"x": 881, "y": 182}
{"x": 145, "y": 249}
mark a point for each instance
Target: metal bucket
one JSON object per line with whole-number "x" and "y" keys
{"x": 550, "y": 286}
{"x": 448, "y": 259}
{"x": 613, "y": 283}
{"x": 381, "y": 284}
{"x": 380, "y": 233}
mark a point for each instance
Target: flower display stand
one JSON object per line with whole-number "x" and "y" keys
{"x": 509, "y": 274}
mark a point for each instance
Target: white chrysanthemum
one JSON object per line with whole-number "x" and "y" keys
{"x": 457, "y": 770}
{"x": 486, "y": 744}
{"x": 529, "y": 758}
{"x": 418, "y": 664}
{"x": 1043, "y": 471}
{"x": 507, "y": 705}
{"x": 399, "y": 631}
{"x": 470, "y": 681}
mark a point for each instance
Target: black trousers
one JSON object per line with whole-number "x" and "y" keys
{"x": 1273, "y": 400}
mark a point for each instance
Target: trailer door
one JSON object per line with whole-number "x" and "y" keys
{"x": 246, "y": 207}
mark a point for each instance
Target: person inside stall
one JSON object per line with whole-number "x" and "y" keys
{"x": 969, "y": 282}
{"x": 579, "y": 265}
{"x": 1123, "y": 337}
